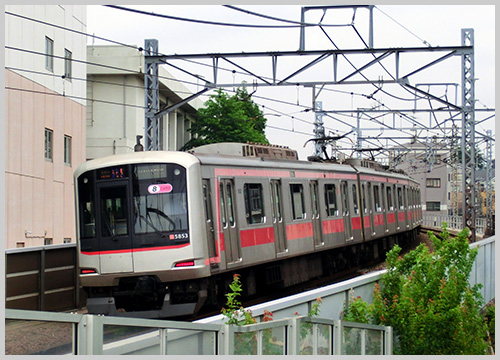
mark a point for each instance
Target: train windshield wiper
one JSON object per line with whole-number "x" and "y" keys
{"x": 150, "y": 223}
{"x": 163, "y": 215}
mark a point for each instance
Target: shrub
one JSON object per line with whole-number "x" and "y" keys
{"x": 427, "y": 299}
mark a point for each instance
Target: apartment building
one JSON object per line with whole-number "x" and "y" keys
{"x": 115, "y": 115}
{"x": 45, "y": 90}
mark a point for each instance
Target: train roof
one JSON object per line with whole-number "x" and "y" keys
{"x": 234, "y": 155}
{"x": 238, "y": 154}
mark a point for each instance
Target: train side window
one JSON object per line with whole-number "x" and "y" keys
{"x": 254, "y": 204}
{"x": 390, "y": 206}
{"x": 355, "y": 199}
{"x": 298, "y": 208}
{"x": 222, "y": 206}
{"x": 208, "y": 213}
{"x": 230, "y": 205}
{"x": 331, "y": 200}
{"x": 400, "y": 198}
{"x": 376, "y": 198}
{"x": 363, "y": 195}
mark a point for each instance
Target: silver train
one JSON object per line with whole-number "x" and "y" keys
{"x": 160, "y": 234}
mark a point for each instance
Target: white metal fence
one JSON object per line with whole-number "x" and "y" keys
{"x": 78, "y": 334}
{"x": 453, "y": 222}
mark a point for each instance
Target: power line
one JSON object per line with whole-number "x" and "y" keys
{"x": 207, "y": 22}
{"x": 71, "y": 30}
{"x": 404, "y": 27}
{"x": 73, "y": 97}
{"x": 280, "y": 19}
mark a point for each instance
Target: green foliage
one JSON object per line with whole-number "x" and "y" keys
{"x": 315, "y": 308}
{"x": 490, "y": 323}
{"x": 357, "y": 310}
{"x": 228, "y": 119}
{"x": 245, "y": 343}
{"x": 427, "y": 299}
{"x": 235, "y": 312}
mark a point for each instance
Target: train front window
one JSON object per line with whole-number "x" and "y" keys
{"x": 86, "y": 205}
{"x": 114, "y": 211}
{"x": 159, "y": 199}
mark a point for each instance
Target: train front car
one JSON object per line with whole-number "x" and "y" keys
{"x": 141, "y": 251}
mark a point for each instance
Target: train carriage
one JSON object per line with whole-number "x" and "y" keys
{"x": 161, "y": 233}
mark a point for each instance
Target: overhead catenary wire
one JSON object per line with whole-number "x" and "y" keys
{"x": 183, "y": 81}
{"x": 217, "y": 23}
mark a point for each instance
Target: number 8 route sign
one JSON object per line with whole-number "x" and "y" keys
{"x": 160, "y": 188}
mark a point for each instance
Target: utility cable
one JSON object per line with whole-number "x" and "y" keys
{"x": 207, "y": 22}
{"x": 71, "y": 30}
{"x": 280, "y": 19}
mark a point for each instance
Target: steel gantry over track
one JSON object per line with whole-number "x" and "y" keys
{"x": 368, "y": 57}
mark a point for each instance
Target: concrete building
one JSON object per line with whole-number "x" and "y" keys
{"x": 115, "y": 115}
{"x": 45, "y": 92}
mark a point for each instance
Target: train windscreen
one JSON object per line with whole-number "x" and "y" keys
{"x": 133, "y": 206}
{"x": 160, "y": 201}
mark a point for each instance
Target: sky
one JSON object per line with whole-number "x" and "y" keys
{"x": 287, "y": 108}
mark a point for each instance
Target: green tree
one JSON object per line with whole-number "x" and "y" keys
{"x": 228, "y": 119}
{"x": 427, "y": 299}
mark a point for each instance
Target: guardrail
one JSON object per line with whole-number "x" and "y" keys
{"x": 453, "y": 222}
{"x": 104, "y": 335}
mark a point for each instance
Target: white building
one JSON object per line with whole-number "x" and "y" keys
{"x": 116, "y": 115}
{"x": 45, "y": 91}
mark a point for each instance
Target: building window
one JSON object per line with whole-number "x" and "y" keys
{"x": 67, "y": 150}
{"x": 48, "y": 241}
{"x": 254, "y": 203}
{"x": 49, "y": 144}
{"x": 67, "y": 240}
{"x": 433, "y": 183}
{"x": 433, "y": 206}
{"x": 67, "y": 64}
{"x": 49, "y": 54}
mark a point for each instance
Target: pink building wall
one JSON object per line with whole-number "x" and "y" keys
{"x": 39, "y": 193}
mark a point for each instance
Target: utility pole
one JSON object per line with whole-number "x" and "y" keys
{"x": 490, "y": 229}
{"x": 468, "y": 134}
{"x": 319, "y": 130}
{"x": 152, "y": 98}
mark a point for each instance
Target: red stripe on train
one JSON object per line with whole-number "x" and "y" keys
{"x": 391, "y": 218}
{"x": 298, "y": 231}
{"x": 123, "y": 251}
{"x": 356, "y": 223}
{"x": 254, "y": 237}
{"x": 333, "y": 226}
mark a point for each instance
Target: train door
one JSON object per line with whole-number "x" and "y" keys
{"x": 365, "y": 213}
{"x": 371, "y": 208}
{"x": 228, "y": 221}
{"x": 115, "y": 240}
{"x": 278, "y": 223}
{"x": 209, "y": 224}
{"x": 397, "y": 205}
{"x": 346, "y": 211}
{"x": 316, "y": 217}
{"x": 383, "y": 202}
